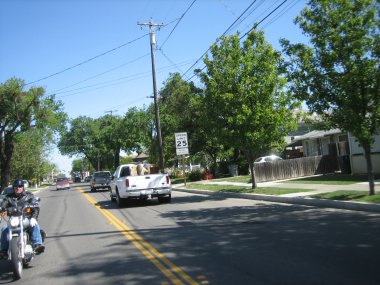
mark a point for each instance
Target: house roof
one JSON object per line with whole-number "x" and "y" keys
{"x": 318, "y": 134}
{"x": 140, "y": 157}
{"x": 295, "y": 143}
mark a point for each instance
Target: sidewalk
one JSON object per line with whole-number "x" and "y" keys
{"x": 294, "y": 198}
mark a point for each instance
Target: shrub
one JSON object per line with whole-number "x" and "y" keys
{"x": 195, "y": 175}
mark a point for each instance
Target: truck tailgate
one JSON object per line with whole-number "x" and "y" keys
{"x": 147, "y": 182}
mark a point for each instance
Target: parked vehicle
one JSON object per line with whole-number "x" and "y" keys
{"x": 268, "y": 158}
{"x": 5, "y": 192}
{"x": 77, "y": 179}
{"x": 20, "y": 252}
{"x": 26, "y": 184}
{"x": 100, "y": 180}
{"x": 126, "y": 184}
{"x": 62, "y": 183}
{"x": 88, "y": 178}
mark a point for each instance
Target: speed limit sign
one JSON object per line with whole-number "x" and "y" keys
{"x": 181, "y": 144}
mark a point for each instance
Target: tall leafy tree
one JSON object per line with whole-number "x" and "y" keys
{"x": 80, "y": 166}
{"x": 101, "y": 140}
{"x": 136, "y": 130}
{"x": 247, "y": 106}
{"x": 29, "y": 156}
{"x": 338, "y": 75}
{"x": 81, "y": 139}
{"x": 88, "y": 137}
{"x": 179, "y": 110}
{"x": 21, "y": 110}
{"x": 109, "y": 140}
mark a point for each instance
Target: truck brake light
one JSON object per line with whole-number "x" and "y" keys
{"x": 167, "y": 179}
{"x": 126, "y": 183}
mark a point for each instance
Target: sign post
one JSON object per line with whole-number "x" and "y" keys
{"x": 182, "y": 148}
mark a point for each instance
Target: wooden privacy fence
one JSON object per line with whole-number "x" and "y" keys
{"x": 297, "y": 167}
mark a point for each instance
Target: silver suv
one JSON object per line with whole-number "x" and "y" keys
{"x": 100, "y": 180}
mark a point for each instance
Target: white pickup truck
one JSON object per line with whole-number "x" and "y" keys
{"x": 127, "y": 184}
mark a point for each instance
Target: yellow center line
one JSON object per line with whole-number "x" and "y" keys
{"x": 158, "y": 259}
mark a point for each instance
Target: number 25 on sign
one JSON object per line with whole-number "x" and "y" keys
{"x": 181, "y": 140}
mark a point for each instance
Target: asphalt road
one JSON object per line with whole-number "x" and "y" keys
{"x": 199, "y": 239}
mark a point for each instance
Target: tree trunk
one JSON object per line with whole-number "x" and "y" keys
{"x": 214, "y": 168}
{"x": 1, "y": 162}
{"x": 116, "y": 157}
{"x": 371, "y": 177}
{"x": 253, "y": 179}
{"x": 6, "y": 156}
{"x": 249, "y": 157}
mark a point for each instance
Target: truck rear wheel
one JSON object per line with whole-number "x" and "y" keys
{"x": 119, "y": 201}
{"x": 112, "y": 197}
{"x": 165, "y": 199}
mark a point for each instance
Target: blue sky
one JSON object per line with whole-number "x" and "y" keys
{"x": 96, "y": 58}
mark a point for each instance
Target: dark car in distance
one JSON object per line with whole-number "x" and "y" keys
{"x": 88, "y": 178}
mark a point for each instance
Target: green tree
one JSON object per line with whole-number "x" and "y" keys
{"x": 206, "y": 142}
{"x": 136, "y": 130}
{"x": 101, "y": 140}
{"x": 20, "y": 111}
{"x": 179, "y": 109}
{"x": 77, "y": 166}
{"x": 86, "y": 137}
{"x": 81, "y": 165}
{"x": 247, "y": 106}
{"x": 339, "y": 76}
{"x": 79, "y": 140}
{"x": 28, "y": 160}
{"x": 109, "y": 128}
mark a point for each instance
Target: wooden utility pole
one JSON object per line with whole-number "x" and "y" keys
{"x": 152, "y": 26}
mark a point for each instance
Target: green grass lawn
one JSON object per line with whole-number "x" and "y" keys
{"x": 177, "y": 180}
{"x": 243, "y": 189}
{"x": 331, "y": 179}
{"x": 343, "y": 195}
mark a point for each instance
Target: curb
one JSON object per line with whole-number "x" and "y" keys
{"x": 355, "y": 206}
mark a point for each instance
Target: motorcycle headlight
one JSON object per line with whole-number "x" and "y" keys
{"x": 15, "y": 222}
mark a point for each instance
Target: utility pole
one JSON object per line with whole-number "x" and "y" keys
{"x": 152, "y": 26}
{"x": 111, "y": 111}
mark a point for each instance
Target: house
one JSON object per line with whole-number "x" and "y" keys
{"x": 358, "y": 162}
{"x": 142, "y": 156}
{"x": 342, "y": 145}
{"x": 329, "y": 142}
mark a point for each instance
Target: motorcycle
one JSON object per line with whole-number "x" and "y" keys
{"x": 20, "y": 251}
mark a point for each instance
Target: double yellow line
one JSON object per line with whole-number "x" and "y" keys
{"x": 171, "y": 271}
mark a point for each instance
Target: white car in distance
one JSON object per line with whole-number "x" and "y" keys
{"x": 268, "y": 158}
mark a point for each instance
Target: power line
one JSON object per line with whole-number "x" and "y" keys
{"x": 86, "y": 61}
{"x": 254, "y": 27}
{"x": 119, "y": 80}
{"x": 201, "y": 57}
{"x": 99, "y": 74}
{"x": 172, "y": 62}
{"x": 262, "y": 20}
{"x": 250, "y": 13}
{"x": 179, "y": 20}
{"x": 241, "y": 15}
{"x": 282, "y": 12}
